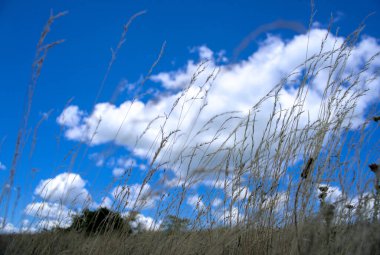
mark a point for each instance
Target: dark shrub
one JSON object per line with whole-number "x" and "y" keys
{"x": 100, "y": 221}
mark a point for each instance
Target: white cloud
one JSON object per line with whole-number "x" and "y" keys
{"x": 123, "y": 165}
{"x": 217, "y": 202}
{"x": 231, "y": 216}
{"x": 66, "y": 188}
{"x": 120, "y": 165}
{"x": 118, "y": 172}
{"x": 238, "y": 192}
{"x": 176, "y": 181}
{"x": 219, "y": 184}
{"x": 134, "y": 197}
{"x": 47, "y": 215}
{"x": 44, "y": 210}
{"x": 238, "y": 87}
{"x": 278, "y": 202}
{"x": 8, "y": 228}
{"x": 205, "y": 53}
{"x": 126, "y": 162}
{"x": 196, "y": 202}
{"x": 104, "y": 202}
{"x": 232, "y": 187}
{"x": 70, "y": 117}
{"x": 358, "y": 206}
{"x": 364, "y": 205}
{"x": 2, "y": 166}
{"x": 28, "y": 227}
{"x": 99, "y": 159}
{"x": 49, "y": 224}
{"x": 180, "y": 79}
{"x": 142, "y": 222}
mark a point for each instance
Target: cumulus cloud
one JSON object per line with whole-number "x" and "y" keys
{"x": 180, "y": 79}
{"x": 126, "y": 162}
{"x": 7, "y": 228}
{"x": 233, "y": 188}
{"x": 66, "y": 188}
{"x": 118, "y": 172}
{"x": 196, "y": 202}
{"x": 70, "y": 117}
{"x": 231, "y": 216}
{"x": 206, "y": 118}
{"x": 28, "y": 227}
{"x": 98, "y": 158}
{"x": 348, "y": 207}
{"x": 49, "y": 224}
{"x": 238, "y": 192}
{"x": 142, "y": 223}
{"x": 47, "y": 216}
{"x": 105, "y": 202}
{"x": 48, "y": 210}
{"x": 2, "y": 166}
{"x": 217, "y": 202}
{"x": 122, "y": 166}
{"x": 363, "y": 205}
{"x": 277, "y": 202}
{"x": 204, "y": 52}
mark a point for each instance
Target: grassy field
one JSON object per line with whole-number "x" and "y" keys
{"x": 359, "y": 238}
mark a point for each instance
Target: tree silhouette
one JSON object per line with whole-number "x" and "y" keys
{"x": 99, "y": 221}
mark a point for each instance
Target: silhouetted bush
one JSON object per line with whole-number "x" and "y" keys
{"x": 100, "y": 221}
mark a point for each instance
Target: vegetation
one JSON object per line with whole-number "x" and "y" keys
{"x": 98, "y": 222}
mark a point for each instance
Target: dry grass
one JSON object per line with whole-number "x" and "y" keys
{"x": 354, "y": 239}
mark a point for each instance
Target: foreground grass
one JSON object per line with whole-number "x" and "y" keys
{"x": 360, "y": 238}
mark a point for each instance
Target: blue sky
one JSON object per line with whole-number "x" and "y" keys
{"x": 74, "y": 71}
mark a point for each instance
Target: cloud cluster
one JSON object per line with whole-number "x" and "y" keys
{"x": 122, "y": 165}
{"x": 48, "y": 210}
{"x": 229, "y": 216}
{"x": 142, "y": 223}
{"x": 66, "y": 188}
{"x": 202, "y": 104}
{"x": 61, "y": 197}
{"x": 348, "y": 207}
{"x": 48, "y": 215}
{"x": 196, "y": 202}
{"x": 65, "y": 195}
{"x": 7, "y": 228}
